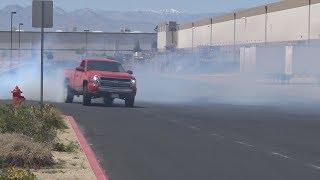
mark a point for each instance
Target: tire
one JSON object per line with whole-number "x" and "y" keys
{"x": 86, "y": 101}
{"x": 130, "y": 101}
{"x": 108, "y": 101}
{"x": 68, "y": 94}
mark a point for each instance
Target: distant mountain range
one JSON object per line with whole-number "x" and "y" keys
{"x": 98, "y": 20}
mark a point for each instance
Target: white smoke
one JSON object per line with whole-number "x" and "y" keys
{"x": 192, "y": 78}
{"x": 27, "y": 77}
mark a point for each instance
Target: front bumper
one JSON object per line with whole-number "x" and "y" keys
{"x": 101, "y": 91}
{"x": 116, "y": 90}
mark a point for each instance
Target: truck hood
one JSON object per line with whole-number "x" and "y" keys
{"x": 122, "y": 75}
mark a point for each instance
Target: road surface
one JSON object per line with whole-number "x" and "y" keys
{"x": 203, "y": 142}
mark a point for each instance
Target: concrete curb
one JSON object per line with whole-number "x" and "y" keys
{"x": 95, "y": 166}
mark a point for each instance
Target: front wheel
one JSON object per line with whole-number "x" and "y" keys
{"x": 129, "y": 101}
{"x": 86, "y": 97}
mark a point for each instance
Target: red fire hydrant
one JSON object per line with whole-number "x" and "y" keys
{"x": 17, "y": 98}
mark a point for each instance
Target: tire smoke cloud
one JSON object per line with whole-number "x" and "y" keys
{"x": 194, "y": 79}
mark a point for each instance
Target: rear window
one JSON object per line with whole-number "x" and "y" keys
{"x": 104, "y": 66}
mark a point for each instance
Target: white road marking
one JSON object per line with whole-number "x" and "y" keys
{"x": 314, "y": 166}
{"x": 194, "y": 127}
{"x": 280, "y": 155}
{"x": 217, "y": 135}
{"x": 244, "y": 143}
{"x": 173, "y": 121}
{"x": 249, "y": 145}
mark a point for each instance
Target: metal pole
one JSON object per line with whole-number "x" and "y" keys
{"x": 266, "y": 26}
{"x": 42, "y": 47}
{"x": 20, "y": 24}
{"x": 192, "y": 38}
{"x": 86, "y": 43}
{"x": 234, "y": 36}
{"x": 309, "y": 23}
{"x": 11, "y": 34}
{"x": 86, "y": 31}
{"x": 211, "y": 30}
{"x": 19, "y": 35}
{"x": 11, "y": 40}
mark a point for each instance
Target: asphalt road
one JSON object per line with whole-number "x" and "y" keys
{"x": 202, "y": 142}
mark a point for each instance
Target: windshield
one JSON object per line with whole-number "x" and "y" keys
{"x": 104, "y": 66}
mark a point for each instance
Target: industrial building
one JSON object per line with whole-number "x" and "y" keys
{"x": 287, "y": 25}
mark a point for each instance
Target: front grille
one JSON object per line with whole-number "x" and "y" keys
{"x": 115, "y": 83}
{"x": 115, "y": 79}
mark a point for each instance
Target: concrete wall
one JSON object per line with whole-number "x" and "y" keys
{"x": 202, "y": 35}
{"x": 288, "y": 25}
{"x": 184, "y": 38}
{"x": 223, "y": 33}
{"x": 162, "y": 40}
{"x": 315, "y": 21}
{"x": 250, "y": 29}
{"x": 67, "y": 45}
{"x": 68, "y": 40}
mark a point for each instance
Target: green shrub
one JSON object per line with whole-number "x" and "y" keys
{"x": 16, "y": 174}
{"x": 70, "y": 147}
{"x": 22, "y": 151}
{"x": 30, "y": 121}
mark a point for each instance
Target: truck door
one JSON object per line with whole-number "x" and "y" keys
{"x": 78, "y": 77}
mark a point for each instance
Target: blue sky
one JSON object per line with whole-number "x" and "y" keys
{"x": 194, "y": 6}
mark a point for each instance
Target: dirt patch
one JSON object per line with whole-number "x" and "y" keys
{"x": 69, "y": 165}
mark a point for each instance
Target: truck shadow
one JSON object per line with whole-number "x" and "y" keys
{"x": 114, "y": 105}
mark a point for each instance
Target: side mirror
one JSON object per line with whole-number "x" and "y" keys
{"x": 80, "y": 69}
{"x": 129, "y": 72}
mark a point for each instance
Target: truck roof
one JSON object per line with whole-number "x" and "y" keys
{"x": 98, "y": 59}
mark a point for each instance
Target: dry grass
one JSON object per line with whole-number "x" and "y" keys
{"x": 22, "y": 151}
{"x": 40, "y": 125}
{"x": 14, "y": 173}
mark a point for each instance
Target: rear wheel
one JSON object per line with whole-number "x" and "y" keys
{"x": 108, "y": 101}
{"x": 129, "y": 101}
{"x": 68, "y": 94}
{"x": 86, "y": 97}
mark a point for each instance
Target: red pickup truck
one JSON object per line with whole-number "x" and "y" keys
{"x": 96, "y": 78}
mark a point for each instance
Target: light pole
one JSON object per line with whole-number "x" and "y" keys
{"x": 86, "y": 31}
{"x": 20, "y": 24}
{"x": 11, "y": 33}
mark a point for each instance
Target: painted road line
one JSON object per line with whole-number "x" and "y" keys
{"x": 173, "y": 121}
{"x": 280, "y": 155}
{"x": 314, "y": 166}
{"x": 216, "y": 135}
{"x": 194, "y": 127}
{"x": 244, "y": 143}
{"x": 95, "y": 166}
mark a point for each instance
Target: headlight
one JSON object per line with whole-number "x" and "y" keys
{"x": 133, "y": 82}
{"x": 95, "y": 80}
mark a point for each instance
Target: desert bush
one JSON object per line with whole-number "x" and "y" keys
{"x": 31, "y": 121}
{"x": 14, "y": 173}
{"x": 22, "y": 151}
{"x": 70, "y": 147}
